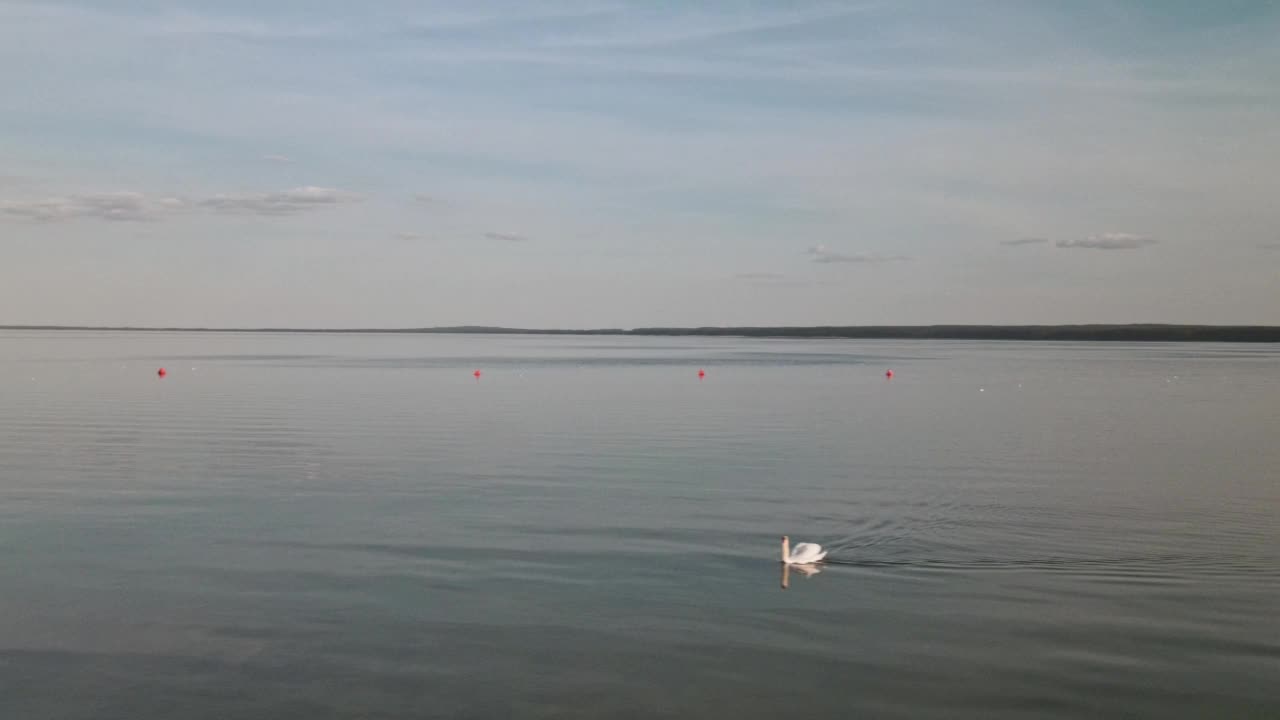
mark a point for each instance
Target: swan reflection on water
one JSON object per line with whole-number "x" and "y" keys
{"x": 805, "y": 570}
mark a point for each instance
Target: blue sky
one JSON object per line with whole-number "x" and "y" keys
{"x": 583, "y": 164}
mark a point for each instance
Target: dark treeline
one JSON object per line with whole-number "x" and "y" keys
{"x": 1129, "y": 333}
{"x": 1123, "y": 333}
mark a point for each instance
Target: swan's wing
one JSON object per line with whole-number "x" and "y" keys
{"x": 806, "y": 553}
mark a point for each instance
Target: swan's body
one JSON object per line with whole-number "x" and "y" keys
{"x": 802, "y": 554}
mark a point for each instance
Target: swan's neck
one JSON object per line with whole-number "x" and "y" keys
{"x": 786, "y": 549}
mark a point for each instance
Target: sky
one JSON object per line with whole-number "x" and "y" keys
{"x": 584, "y": 163}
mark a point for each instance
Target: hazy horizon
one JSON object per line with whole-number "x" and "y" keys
{"x": 471, "y": 328}
{"x": 582, "y": 164}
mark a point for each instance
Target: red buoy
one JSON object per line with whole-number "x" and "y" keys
{"x": 161, "y": 372}
{"x": 888, "y": 373}
{"x": 477, "y": 374}
{"x": 701, "y": 374}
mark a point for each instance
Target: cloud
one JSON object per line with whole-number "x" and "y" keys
{"x": 821, "y": 254}
{"x": 779, "y": 280}
{"x": 703, "y": 27}
{"x": 287, "y": 202}
{"x": 1024, "y": 241}
{"x": 506, "y": 237}
{"x": 439, "y": 19}
{"x": 139, "y": 207}
{"x": 1109, "y": 241}
{"x": 410, "y": 236}
{"x": 278, "y": 159}
{"x": 114, "y": 206}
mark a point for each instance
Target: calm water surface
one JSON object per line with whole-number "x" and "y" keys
{"x": 320, "y": 526}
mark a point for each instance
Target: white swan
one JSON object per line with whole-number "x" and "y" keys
{"x": 803, "y": 554}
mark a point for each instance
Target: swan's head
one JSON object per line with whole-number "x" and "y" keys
{"x": 785, "y": 538}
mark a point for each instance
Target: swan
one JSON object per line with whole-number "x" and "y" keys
{"x": 804, "y": 553}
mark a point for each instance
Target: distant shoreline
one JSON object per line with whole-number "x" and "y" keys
{"x": 1094, "y": 333}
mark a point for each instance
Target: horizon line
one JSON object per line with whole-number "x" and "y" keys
{"x": 1137, "y": 332}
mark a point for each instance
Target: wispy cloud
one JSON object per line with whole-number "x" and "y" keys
{"x": 1109, "y": 241}
{"x": 407, "y": 236}
{"x": 114, "y": 206}
{"x": 140, "y": 207}
{"x": 283, "y": 159}
{"x": 779, "y": 280}
{"x": 437, "y": 19}
{"x": 822, "y": 254}
{"x": 506, "y": 237}
{"x": 288, "y": 202}
{"x": 1024, "y": 241}
{"x": 701, "y": 27}
{"x": 196, "y": 24}
{"x": 430, "y": 200}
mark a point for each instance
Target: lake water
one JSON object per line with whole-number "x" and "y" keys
{"x": 326, "y": 526}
